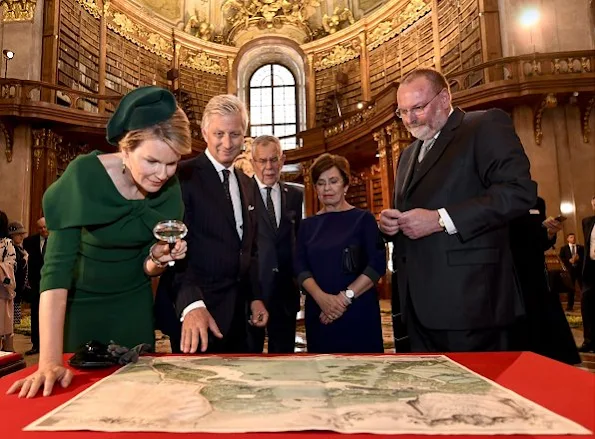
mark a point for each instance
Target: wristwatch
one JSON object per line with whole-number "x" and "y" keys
{"x": 350, "y": 294}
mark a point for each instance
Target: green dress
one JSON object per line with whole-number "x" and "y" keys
{"x": 96, "y": 250}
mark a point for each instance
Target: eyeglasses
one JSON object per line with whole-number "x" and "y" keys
{"x": 263, "y": 162}
{"x": 416, "y": 111}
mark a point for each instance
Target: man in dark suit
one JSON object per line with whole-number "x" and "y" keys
{"x": 572, "y": 256}
{"x": 279, "y": 208}
{"x": 35, "y": 246}
{"x": 588, "y": 293}
{"x": 457, "y": 187}
{"x": 218, "y": 279}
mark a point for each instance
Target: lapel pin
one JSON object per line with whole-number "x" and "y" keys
{"x": 250, "y": 207}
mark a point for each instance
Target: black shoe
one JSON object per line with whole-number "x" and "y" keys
{"x": 587, "y": 347}
{"x": 32, "y": 351}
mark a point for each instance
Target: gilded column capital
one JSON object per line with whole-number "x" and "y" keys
{"x": 22, "y": 10}
{"x": 380, "y": 138}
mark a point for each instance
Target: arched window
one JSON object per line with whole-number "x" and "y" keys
{"x": 273, "y": 104}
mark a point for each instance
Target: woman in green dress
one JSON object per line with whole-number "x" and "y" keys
{"x": 101, "y": 253}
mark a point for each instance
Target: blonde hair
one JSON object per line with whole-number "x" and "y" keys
{"x": 175, "y": 132}
{"x": 225, "y": 105}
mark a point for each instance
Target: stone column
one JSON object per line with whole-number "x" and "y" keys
{"x": 44, "y": 169}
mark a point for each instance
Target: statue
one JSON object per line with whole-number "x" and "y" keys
{"x": 200, "y": 28}
{"x": 339, "y": 19}
{"x": 292, "y": 10}
{"x": 242, "y": 161}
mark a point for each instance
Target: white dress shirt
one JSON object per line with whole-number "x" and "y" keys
{"x": 592, "y": 247}
{"x": 275, "y": 195}
{"x": 234, "y": 190}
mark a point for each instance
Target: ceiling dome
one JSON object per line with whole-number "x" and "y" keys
{"x": 234, "y": 22}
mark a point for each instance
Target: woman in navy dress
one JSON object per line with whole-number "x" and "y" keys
{"x": 340, "y": 256}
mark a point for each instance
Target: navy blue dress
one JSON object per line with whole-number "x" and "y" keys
{"x": 321, "y": 242}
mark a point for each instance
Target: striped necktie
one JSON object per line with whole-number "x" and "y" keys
{"x": 226, "y": 184}
{"x": 425, "y": 147}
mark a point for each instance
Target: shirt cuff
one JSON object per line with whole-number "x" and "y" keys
{"x": 191, "y": 307}
{"x": 448, "y": 224}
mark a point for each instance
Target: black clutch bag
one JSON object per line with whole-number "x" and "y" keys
{"x": 93, "y": 355}
{"x": 352, "y": 259}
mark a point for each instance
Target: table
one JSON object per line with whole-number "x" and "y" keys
{"x": 10, "y": 362}
{"x": 563, "y": 389}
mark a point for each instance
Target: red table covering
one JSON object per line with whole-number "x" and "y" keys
{"x": 564, "y": 389}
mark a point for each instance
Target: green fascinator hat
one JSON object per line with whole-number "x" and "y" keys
{"x": 141, "y": 108}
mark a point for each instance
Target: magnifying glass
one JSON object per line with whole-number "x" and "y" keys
{"x": 170, "y": 231}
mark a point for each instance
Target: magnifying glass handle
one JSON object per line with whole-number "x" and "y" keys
{"x": 171, "y": 247}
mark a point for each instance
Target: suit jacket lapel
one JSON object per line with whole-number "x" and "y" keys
{"x": 446, "y": 135}
{"x": 212, "y": 181}
{"x": 404, "y": 177}
{"x": 284, "y": 218}
{"x": 247, "y": 204}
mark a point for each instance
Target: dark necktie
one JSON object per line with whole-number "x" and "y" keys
{"x": 43, "y": 246}
{"x": 271, "y": 208}
{"x": 226, "y": 185}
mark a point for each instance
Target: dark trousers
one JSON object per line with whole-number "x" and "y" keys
{"x": 400, "y": 337}
{"x": 35, "y": 320}
{"x": 575, "y": 276}
{"x": 588, "y": 301}
{"x": 280, "y": 330}
{"x": 423, "y": 339}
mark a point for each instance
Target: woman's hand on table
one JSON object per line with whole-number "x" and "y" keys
{"x": 46, "y": 377}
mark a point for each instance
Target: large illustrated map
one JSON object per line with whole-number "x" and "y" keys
{"x": 349, "y": 394}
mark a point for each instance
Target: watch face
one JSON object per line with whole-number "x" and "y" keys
{"x": 350, "y": 294}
